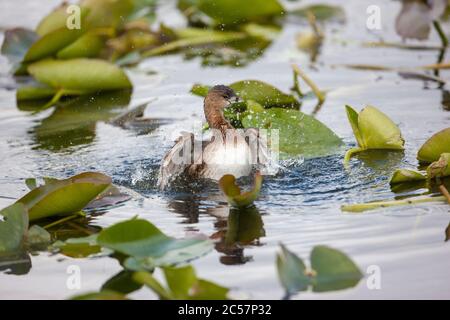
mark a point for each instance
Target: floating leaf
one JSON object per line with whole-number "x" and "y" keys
{"x": 432, "y": 149}
{"x": 330, "y": 270}
{"x": 334, "y": 270}
{"x": 236, "y": 11}
{"x": 55, "y": 20}
{"x": 16, "y": 44}
{"x": 233, "y": 193}
{"x": 147, "y": 246}
{"x": 51, "y": 43}
{"x": 80, "y": 75}
{"x": 13, "y": 228}
{"x": 292, "y": 272}
{"x": 299, "y": 134}
{"x": 373, "y": 130}
{"x": 87, "y": 46}
{"x": 407, "y": 175}
{"x": 80, "y": 247}
{"x": 64, "y": 197}
{"x": 34, "y": 91}
{"x": 321, "y": 12}
{"x": 102, "y": 295}
{"x": 183, "y": 284}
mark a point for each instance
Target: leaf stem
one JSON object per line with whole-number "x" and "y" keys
{"x": 445, "y": 192}
{"x": 50, "y": 225}
{"x": 441, "y": 33}
{"x": 360, "y": 207}
{"x": 350, "y": 154}
{"x": 319, "y": 94}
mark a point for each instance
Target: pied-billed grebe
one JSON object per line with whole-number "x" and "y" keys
{"x": 230, "y": 151}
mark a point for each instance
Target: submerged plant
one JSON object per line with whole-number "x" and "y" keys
{"x": 373, "y": 130}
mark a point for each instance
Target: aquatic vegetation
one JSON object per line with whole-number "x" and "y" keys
{"x": 432, "y": 149}
{"x": 373, "y": 130}
{"x": 330, "y": 270}
{"x": 233, "y": 193}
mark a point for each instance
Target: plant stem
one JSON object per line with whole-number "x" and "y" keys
{"x": 441, "y": 33}
{"x": 360, "y": 207}
{"x": 50, "y": 225}
{"x": 445, "y": 192}
{"x": 319, "y": 94}
{"x": 54, "y": 100}
{"x": 296, "y": 87}
{"x": 350, "y": 153}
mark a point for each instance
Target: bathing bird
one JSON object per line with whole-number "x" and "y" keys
{"x": 229, "y": 150}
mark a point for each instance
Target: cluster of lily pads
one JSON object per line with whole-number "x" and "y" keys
{"x": 31, "y": 225}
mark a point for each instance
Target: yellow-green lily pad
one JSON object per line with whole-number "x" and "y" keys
{"x": 233, "y": 193}
{"x": 432, "y": 149}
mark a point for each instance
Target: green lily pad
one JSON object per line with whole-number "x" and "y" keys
{"x": 13, "y": 228}
{"x": 35, "y": 91}
{"x": 334, "y": 270}
{"x": 299, "y": 133}
{"x": 292, "y": 271}
{"x": 432, "y": 149}
{"x": 88, "y": 45}
{"x": 64, "y": 197}
{"x": 80, "y": 75}
{"x": 236, "y": 11}
{"x": 51, "y": 43}
{"x": 16, "y": 44}
{"x": 80, "y": 247}
{"x": 55, "y": 20}
{"x": 183, "y": 284}
{"x": 146, "y": 244}
{"x": 407, "y": 175}
{"x": 373, "y": 130}
{"x": 322, "y": 12}
{"x": 233, "y": 193}
{"x": 331, "y": 270}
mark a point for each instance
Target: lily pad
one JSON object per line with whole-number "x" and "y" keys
{"x": 55, "y": 20}
{"x": 236, "y": 11}
{"x": 373, "y": 130}
{"x": 87, "y": 46}
{"x": 233, "y": 193}
{"x": 183, "y": 284}
{"x": 147, "y": 245}
{"x": 432, "y": 149}
{"x": 13, "y": 228}
{"x": 292, "y": 271}
{"x": 80, "y": 247}
{"x": 64, "y": 197}
{"x": 407, "y": 175}
{"x": 334, "y": 270}
{"x": 80, "y": 75}
{"x": 299, "y": 133}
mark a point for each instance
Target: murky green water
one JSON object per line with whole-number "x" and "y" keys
{"x": 300, "y": 206}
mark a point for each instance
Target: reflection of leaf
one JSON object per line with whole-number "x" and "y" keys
{"x": 13, "y": 228}
{"x": 233, "y": 193}
{"x": 321, "y": 12}
{"x": 330, "y": 270}
{"x": 183, "y": 284}
{"x": 64, "y": 197}
{"x": 292, "y": 271}
{"x": 299, "y": 134}
{"x": 334, "y": 270}
{"x": 82, "y": 75}
{"x": 244, "y": 226}
{"x": 432, "y": 149}
{"x": 148, "y": 245}
{"x": 18, "y": 263}
{"x": 237, "y": 11}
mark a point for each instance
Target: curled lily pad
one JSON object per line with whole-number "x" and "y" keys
{"x": 147, "y": 246}
{"x": 440, "y": 168}
{"x": 183, "y": 284}
{"x": 233, "y": 193}
{"x": 432, "y": 149}
{"x": 80, "y": 75}
{"x": 407, "y": 175}
{"x": 299, "y": 133}
{"x": 330, "y": 270}
{"x": 62, "y": 197}
{"x": 13, "y": 228}
{"x": 373, "y": 130}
